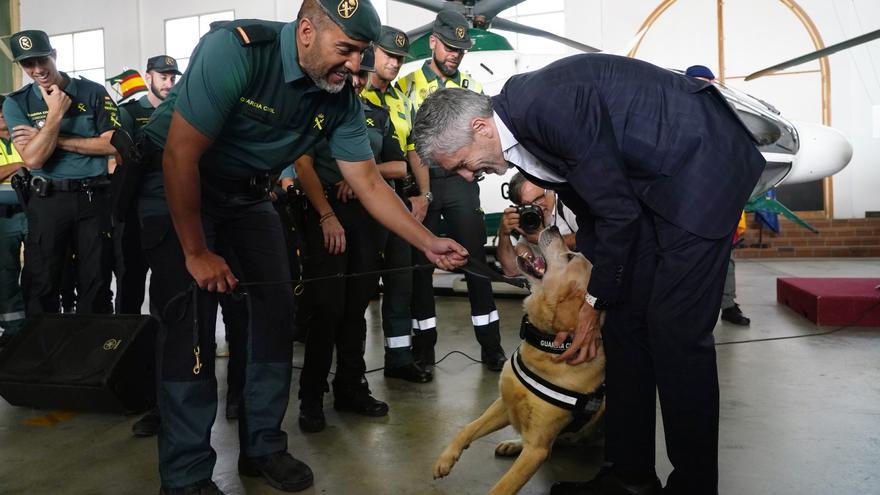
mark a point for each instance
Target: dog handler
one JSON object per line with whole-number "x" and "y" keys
{"x": 255, "y": 96}
{"x": 657, "y": 168}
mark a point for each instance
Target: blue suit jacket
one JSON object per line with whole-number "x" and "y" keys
{"x": 628, "y": 135}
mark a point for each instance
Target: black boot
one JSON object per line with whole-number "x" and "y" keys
{"x": 311, "y": 414}
{"x": 356, "y": 398}
{"x": 148, "y": 425}
{"x": 611, "y": 482}
{"x": 735, "y": 315}
{"x": 423, "y": 343}
{"x": 204, "y": 487}
{"x": 411, "y": 372}
{"x": 491, "y": 353}
{"x": 281, "y": 470}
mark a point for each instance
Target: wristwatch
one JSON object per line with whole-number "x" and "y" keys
{"x": 429, "y": 196}
{"x": 594, "y": 302}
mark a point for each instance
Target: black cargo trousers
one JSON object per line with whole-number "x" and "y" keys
{"x": 247, "y": 228}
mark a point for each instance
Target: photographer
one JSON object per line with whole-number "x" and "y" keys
{"x": 535, "y": 209}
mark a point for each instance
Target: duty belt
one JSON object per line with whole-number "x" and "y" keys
{"x": 73, "y": 185}
{"x": 256, "y": 185}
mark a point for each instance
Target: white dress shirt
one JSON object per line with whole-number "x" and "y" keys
{"x": 516, "y": 154}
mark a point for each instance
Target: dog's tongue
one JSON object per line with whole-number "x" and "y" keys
{"x": 532, "y": 264}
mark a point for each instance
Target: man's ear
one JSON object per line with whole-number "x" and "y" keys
{"x": 432, "y": 42}
{"x": 481, "y": 126}
{"x": 306, "y": 32}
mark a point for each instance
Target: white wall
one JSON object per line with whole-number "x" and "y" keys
{"x": 758, "y": 33}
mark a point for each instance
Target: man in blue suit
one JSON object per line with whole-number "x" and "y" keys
{"x": 657, "y": 167}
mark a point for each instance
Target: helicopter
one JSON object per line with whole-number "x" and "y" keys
{"x": 796, "y": 152}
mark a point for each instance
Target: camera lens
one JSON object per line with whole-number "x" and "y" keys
{"x": 531, "y": 218}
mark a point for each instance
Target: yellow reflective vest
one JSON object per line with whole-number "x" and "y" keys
{"x": 420, "y": 83}
{"x": 399, "y": 109}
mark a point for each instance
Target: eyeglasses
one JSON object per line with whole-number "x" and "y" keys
{"x": 540, "y": 200}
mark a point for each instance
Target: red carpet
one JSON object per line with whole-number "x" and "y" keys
{"x": 832, "y": 301}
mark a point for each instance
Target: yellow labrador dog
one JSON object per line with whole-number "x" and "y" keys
{"x": 540, "y": 397}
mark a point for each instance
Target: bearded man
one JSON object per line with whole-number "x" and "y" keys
{"x": 255, "y": 96}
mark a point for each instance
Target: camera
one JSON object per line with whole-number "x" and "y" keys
{"x": 407, "y": 186}
{"x": 531, "y": 218}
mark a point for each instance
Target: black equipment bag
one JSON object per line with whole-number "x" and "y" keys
{"x": 100, "y": 363}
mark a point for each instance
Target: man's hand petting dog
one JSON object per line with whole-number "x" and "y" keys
{"x": 586, "y": 340}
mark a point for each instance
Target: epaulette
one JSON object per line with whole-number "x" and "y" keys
{"x": 20, "y": 90}
{"x": 249, "y": 33}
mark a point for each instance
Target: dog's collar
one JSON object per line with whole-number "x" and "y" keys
{"x": 584, "y": 405}
{"x": 540, "y": 340}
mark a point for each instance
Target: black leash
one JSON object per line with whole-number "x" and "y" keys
{"x": 472, "y": 267}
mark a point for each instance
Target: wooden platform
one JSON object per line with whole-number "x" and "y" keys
{"x": 832, "y": 301}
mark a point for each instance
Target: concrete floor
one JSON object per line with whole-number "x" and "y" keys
{"x": 797, "y": 417}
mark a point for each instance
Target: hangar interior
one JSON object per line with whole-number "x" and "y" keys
{"x": 799, "y": 399}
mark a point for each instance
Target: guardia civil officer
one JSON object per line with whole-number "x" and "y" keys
{"x": 62, "y": 127}
{"x": 255, "y": 95}
{"x": 131, "y": 265}
{"x": 341, "y": 237}
{"x": 453, "y": 199}
{"x": 13, "y": 230}
{"x": 389, "y": 53}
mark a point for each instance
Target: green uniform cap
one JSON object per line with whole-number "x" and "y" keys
{"x": 368, "y": 62}
{"x": 452, "y": 29}
{"x": 163, "y": 63}
{"x": 29, "y": 44}
{"x": 393, "y": 41}
{"x": 357, "y": 18}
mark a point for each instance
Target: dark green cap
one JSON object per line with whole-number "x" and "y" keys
{"x": 29, "y": 44}
{"x": 357, "y": 18}
{"x": 368, "y": 62}
{"x": 452, "y": 29}
{"x": 393, "y": 41}
{"x": 163, "y": 63}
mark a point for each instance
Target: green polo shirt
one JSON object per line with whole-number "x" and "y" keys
{"x": 255, "y": 103}
{"x": 383, "y": 143}
{"x": 92, "y": 112}
{"x": 135, "y": 114}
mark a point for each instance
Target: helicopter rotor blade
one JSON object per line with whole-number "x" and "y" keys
{"x": 491, "y": 8}
{"x": 828, "y": 50}
{"x": 415, "y": 33}
{"x": 432, "y": 5}
{"x": 516, "y": 27}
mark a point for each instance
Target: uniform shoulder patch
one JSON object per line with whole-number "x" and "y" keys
{"x": 251, "y": 32}
{"x": 21, "y": 90}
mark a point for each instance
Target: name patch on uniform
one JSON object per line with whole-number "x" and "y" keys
{"x": 257, "y": 105}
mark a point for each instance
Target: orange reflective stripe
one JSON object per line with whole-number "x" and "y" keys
{"x": 243, "y": 34}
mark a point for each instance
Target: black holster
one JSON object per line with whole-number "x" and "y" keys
{"x": 21, "y": 184}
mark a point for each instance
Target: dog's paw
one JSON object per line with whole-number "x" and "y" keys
{"x": 443, "y": 465}
{"x": 509, "y": 448}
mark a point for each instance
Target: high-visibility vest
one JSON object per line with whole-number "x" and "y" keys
{"x": 420, "y": 83}
{"x": 399, "y": 109}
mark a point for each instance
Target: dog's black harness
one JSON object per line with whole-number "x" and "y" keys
{"x": 539, "y": 339}
{"x": 582, "y": 406}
